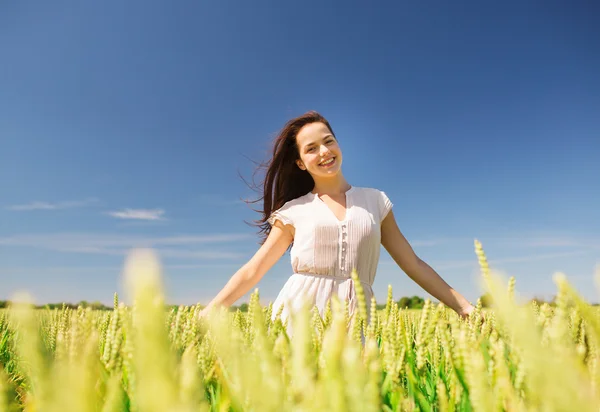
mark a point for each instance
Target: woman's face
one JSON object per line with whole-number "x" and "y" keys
{"x": 320, "y": 153}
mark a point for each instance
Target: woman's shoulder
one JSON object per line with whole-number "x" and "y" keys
{"x": 369, "y": 191}
{"x": 291, "y": 209}
{"x": 376, "y": 199}
{"x": 297, "y": 202}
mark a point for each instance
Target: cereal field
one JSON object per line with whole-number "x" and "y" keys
{"x": 144, "y": 358}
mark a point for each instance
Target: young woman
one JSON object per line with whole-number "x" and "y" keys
{"x": 332, "y": 226}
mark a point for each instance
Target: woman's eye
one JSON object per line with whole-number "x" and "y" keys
{"x": 312, "y": 149}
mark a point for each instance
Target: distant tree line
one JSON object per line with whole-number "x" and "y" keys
{"x": 413, "y": 302}
{"x": 405, "y": 302}
{"x": 487, "y": 301}
{"x": 83, "y": 304}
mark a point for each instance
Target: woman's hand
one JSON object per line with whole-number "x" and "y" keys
{"x": 203, "y": 313}
{"x": 466, "y": 312}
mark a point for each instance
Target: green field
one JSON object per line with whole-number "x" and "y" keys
{"x": 145, "y": 358}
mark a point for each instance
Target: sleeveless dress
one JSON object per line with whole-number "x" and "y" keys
{"x": 326, "y": 250}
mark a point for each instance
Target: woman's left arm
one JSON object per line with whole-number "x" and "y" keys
{"x": 403, "y": 254}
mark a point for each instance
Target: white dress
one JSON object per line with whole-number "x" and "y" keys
{"x": 326, "y": 250}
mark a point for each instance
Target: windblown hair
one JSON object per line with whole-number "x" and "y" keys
{"x": 284, "y": 180}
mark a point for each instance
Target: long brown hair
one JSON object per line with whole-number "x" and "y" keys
{"x": 284, "y": 180}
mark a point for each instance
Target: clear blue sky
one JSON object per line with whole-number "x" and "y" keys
{"x": 126, "y": 124}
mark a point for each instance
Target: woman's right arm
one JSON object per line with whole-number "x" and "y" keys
{"x": 279, "y": 239}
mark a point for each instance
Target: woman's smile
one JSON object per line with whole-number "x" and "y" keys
{"x": 327, "y": 163}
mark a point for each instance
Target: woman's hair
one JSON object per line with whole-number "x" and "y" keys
{"x": 284, "y": 180}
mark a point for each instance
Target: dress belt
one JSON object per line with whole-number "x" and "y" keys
{"x": 331, "y": 277}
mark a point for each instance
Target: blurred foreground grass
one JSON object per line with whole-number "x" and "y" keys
{"x": 144, "y": 358}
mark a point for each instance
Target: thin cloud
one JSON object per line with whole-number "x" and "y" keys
{"x": 213, "y": 238}
{"x": 59, "y": 270}
{"x": 458, "y": 264}
{"x": 180, "y": 246}
{"x": 56, "y": 270}
{"x": 545, "y": 256}
{"x": 198, "y": 254}
{"x": 79, "y": 240}
{"x": 138, "y": 214}
{"x": 218, "y": 200}
{"x": 549, "y": 241}
{"x": 435, "y": 242}
{"x": 38, "y": 205}
{"x": 438, "y": 241}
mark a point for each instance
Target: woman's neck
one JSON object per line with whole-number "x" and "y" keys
{"x": 331, "y": 186}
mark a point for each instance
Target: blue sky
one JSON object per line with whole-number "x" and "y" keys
{"x": 125, "y": 124}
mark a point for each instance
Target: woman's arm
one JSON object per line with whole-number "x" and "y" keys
{"x": 252, "y": 272}
{"x": 398, "y": 247}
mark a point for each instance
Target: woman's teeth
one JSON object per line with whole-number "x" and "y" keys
{"x": 328, "y": 162}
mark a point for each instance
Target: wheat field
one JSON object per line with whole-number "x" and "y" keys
{"x": 512, "y": 357}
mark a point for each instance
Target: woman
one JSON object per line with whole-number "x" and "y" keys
{"x": 333, "y": 228}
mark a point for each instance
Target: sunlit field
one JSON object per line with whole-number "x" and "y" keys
{"x": 143, "y": 357}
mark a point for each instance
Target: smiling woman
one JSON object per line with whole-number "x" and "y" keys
{"x": 333, "y": 228}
